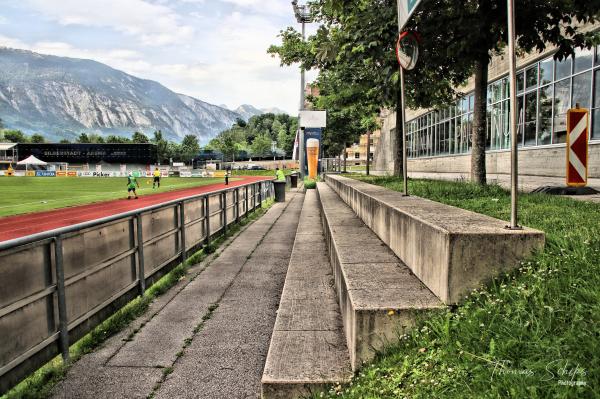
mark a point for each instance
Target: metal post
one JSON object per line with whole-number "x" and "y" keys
{"x": 514, "y": 156}
{"x": 140, "y": 253}
{"x": 207, "y": 220}
{"x": 63, "y": 325}
{"x": 301, "y": 131}
{"x": 403, "y": 130}
{"x": 224, "y": 213}
{"x": 368, "y": 149}
{"x": 237, "y": 205}
{"x": 247, "y": 202}
{"x": 182, "y": 230}
{"x": 260, "y": 194}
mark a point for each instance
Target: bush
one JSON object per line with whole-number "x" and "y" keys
{"x": 310, "y": 184}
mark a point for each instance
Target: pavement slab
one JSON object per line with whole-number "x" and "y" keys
{"x": 212, "y": 329}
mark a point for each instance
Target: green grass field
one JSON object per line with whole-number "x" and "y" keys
{"x": 32, "y": 194}
{"x": 532, "y": 333}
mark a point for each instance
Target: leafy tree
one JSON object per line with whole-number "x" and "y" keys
{"x": 83, "y": 138}
{"x": 261, "y": 146}
{"x": 139, "y": 138}
{"x": 162, "y": 147}
{"x": 240, "y": 122}
{"x": 15, "y": 136}
{"x": 357, "y": 39}
{"x": 113, "y": 139}
{"x": 64, "y": 141}
{"x": 96, "y": 138}
{"x": 189, "y": 148}
{"x": 37, "y": 138}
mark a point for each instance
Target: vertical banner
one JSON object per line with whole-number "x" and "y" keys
{"x": 577, "y": 147}
{"x": 314, "y": 135}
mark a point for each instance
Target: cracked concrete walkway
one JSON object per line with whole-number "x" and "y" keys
{"x": 209, "y": 335}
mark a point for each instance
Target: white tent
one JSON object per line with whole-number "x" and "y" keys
{"x": 33, "y": 161}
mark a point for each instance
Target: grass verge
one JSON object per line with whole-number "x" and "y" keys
{"x": 40, "y": 383}
{"x": 532, "y": 333}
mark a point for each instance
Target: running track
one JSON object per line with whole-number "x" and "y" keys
{"x": 23, "y": 225}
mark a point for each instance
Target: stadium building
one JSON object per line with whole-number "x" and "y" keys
{"x": 105, "y": 158}
{"x": 439, "y": 140}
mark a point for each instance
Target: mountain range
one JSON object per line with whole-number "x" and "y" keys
{"x": 62, "y": 97}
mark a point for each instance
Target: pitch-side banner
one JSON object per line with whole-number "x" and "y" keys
{"x": 405, "y": 9}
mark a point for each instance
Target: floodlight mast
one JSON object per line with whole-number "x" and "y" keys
{"x": 303, "y": 16}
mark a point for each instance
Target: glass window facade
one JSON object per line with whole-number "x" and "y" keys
{"x": 545, "y": 91}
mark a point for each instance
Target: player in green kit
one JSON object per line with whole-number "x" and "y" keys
{"x": 132, "y": 183}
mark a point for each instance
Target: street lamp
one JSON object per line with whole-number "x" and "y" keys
{"x": 303, "y": 16}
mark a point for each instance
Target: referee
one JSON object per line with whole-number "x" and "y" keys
{"x": 156, "y": 181}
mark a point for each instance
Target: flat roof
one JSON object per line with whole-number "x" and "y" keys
{"x": 7, "y": 146}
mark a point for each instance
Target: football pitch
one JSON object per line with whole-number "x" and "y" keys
{"x": 32, "y": 194}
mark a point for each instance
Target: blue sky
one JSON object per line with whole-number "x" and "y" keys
{"x": 214, "y": 50}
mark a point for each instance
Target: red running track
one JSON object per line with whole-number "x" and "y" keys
{"x": 17, "y": 226}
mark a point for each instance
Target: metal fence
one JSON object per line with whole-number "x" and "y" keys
{"x": 57, "y": 286}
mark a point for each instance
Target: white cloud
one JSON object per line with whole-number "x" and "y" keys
{"x": 152, "y": 24}
{"x": 3, "y": 20}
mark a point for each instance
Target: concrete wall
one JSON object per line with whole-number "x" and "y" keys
{"x": 451, "y": 250}
{"x": 102, "y": 270}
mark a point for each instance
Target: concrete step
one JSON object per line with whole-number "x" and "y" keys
{"x": 451, "y": 250}
{"x": 380, "y": 298}
{"x": 308, "y": 349}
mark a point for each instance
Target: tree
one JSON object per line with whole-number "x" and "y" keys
{"x": 189, "y": 148}
{"x": 261, "y": 146}
{"x": 83, "y": 138}
{"x": 240, "y": 122}
{"x": 113, "y": 139}
{"x": 64, "y": 141}
{"x": 539, "y": 24}
{"x": 96, "y": 138}
{"x": 354, "y": 51}
{"x": 139, "y": 138}
{"x": 15, "y": 136}
{"x": 37, "y": 138}
{"x": 162, "y": 147}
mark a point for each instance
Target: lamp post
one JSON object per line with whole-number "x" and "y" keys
{"x": 303, "y": 16}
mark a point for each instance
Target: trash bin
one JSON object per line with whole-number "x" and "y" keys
{"x": 279, "y": 190}
{"x": 294, "y": 180}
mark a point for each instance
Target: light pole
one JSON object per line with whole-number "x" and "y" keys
{"x": 303, "y": 16}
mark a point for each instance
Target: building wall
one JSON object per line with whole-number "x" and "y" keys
{"x": 439, "y": 140}
{"x": 360, "y": 148}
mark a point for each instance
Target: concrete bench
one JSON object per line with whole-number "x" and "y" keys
{"x": 379, "y": 297}
{"x": 451, "y": 250}
{"x": 308, "y": 349}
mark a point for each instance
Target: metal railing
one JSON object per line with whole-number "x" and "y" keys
{"x": 58, "y": 285}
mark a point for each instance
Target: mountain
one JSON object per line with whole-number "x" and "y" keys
{"x": 273, "y": 110}
{"x": 62, "y": 97}
{"x": 247, "y": 111}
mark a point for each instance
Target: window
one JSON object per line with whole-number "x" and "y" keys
{"x": 596, "y": 111}
{"x": 531, "y": 77}
{"x": 545, "y": 115}
{"x": 357, "y": 155}
{"x": 546, "y": 71}
{"x": 581, "y": 89}
{"x": 583, "y": 59}
{"x": 563, "y": 68}
{"x": 562, "y": 96}
{"x": 530, "y": 118}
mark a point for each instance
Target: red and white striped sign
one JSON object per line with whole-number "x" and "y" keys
{"x": 577, "y": 147}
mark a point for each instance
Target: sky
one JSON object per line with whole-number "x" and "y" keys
{"x": 214, "y": 50}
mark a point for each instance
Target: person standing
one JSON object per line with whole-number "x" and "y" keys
{"x": 132, "y": 183}
{"x": 156, "y": 181}
{"x": 279, "y": 175}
